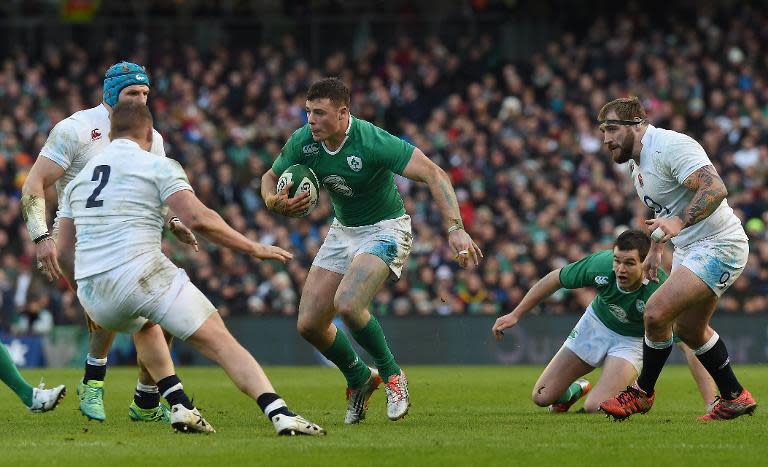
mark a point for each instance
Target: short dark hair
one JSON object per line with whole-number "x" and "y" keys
{"x": 331, "y": 88}
{"x": 130, "y": 119}
{"x": 634, "y": 240}
{"x": 627, "y": 108}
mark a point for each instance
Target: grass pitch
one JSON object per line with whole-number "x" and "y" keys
{"x": 460, "y": 416}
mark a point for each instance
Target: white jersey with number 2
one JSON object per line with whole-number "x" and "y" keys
{"x": 117, "y": 202}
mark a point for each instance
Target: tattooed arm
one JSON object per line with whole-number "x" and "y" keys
{"x": 421, "y": 169}
{"x": 709, "y": 191}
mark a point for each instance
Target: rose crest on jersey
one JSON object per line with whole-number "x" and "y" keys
{"x": 355, "y": 163}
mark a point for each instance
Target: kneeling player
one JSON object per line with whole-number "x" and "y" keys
{"x": 609, "y": 335}
{"x": 126, "y": 284}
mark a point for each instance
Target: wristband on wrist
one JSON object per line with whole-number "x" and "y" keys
{"x": 455, "y": 227}
{"x": 172, "y": 220}
{"x": 42, "y": 237}
{"x": 33, "y": 212}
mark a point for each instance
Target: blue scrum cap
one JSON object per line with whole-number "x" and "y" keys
{"x": 120, "y": 76}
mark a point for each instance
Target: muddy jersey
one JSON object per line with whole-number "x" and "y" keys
{"x": 666, "y": 160}
{"x": 359, "y": 175}
{"x": 77, "y": 138}
{"x": 117, "y": 203}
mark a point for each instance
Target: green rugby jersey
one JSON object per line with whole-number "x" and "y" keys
{"x": 620, "y": 311}
{"x": 359, "y": 176}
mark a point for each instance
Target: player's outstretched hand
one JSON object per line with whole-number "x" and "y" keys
{"x": 182, "y": 233}
{"x": 47, "y": 259}
{"x": 271, "y": 252}
{"x": 505, "y": 322}
{"x": 466, "y": 251}
{"x": 282, "y": 204}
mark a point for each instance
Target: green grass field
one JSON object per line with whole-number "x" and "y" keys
{"x": 460, "y": 416}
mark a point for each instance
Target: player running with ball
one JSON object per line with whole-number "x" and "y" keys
{"x": 367, "y": 243}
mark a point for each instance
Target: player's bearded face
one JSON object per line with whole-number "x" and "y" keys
{"x": 620, "y": 140}
{"x": 625, "y": 152}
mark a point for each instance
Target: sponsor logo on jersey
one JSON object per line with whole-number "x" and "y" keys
{"x": 95, "y": 134}
{"x": 310, "y": 149}
{"x": 640, "y": 305}
{"x": 338, "y": 184}
{"x": 618, "y": 312}
{"x": 355, "y": 163}
{"x": 601, "y": 280}
{"x": 640, "y": 179}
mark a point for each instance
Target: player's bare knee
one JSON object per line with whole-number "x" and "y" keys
{"x": 541, "y": 396}
{"x": 345, "y": 303}
{"x": 655, "y": 321}
{"x": 308, "y": 328}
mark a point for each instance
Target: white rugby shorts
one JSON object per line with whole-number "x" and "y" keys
{"x": 592, "y": 341}
{"x": 717, "y": 261}
{"x": 390, "y": 239}
{"x": 147, "y": 288}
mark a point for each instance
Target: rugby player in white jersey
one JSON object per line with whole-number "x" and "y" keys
{"x": 114, "y": 208}
{"x": 674, "y": 177}
{"x": 71, "y": 144}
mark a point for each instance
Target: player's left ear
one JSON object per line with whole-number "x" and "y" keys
{"x": 343, "y": 111}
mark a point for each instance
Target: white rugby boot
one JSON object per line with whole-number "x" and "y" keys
{"x": 357, "y": 399}
{"x": 189, "y": 421}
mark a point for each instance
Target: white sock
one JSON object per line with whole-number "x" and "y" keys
{"x": 91, "y": 360}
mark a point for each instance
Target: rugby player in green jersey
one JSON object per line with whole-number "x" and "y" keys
{"x": 368, "y": 241}
{"x": 609, "y": 334}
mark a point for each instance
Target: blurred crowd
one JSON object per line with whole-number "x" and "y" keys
{"x": 536, "y": 188}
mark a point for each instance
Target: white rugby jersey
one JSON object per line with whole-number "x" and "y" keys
{"x": 666, "y": 160}
{"x": 77, "y": 138}
{"x": 117, "y": 203}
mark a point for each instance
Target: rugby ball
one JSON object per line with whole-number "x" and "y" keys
{"x": 304, "y": 180}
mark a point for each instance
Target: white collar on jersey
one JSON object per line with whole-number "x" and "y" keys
{"x": 645, "y": 282}
{"x": 647, "y": 141}
{"x": 346, "y": 137}
{"x": 125, "y": 142}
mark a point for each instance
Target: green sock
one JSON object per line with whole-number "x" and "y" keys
{"x": 345, "y": 358}
{"x": 12, "y": 378}
{"x": 372, "y": 339}
{"x": 573, "y": 390}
